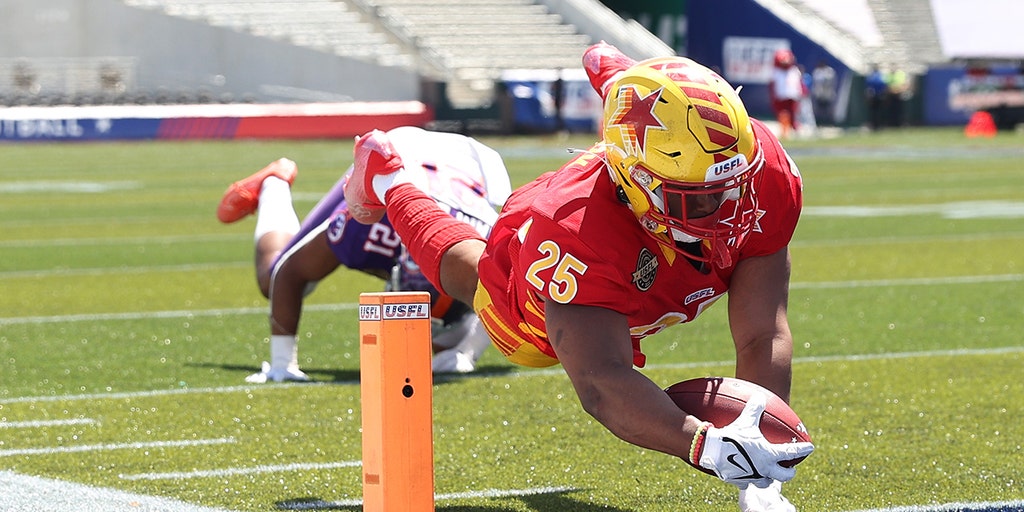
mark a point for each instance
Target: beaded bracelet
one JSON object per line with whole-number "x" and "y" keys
{"x": 697, "y": 445}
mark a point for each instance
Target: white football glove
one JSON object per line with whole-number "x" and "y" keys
{"x": 769, "y": 499}
{"x": 268, "y": 374}
{"x": 740, "y": 455}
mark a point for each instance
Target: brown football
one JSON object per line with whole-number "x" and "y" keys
{"x": 721, "y": 399}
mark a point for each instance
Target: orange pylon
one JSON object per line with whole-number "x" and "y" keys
{"x": 397, "y": 402}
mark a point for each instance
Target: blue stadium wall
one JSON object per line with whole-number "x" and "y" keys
{"x": 711, "y": 22}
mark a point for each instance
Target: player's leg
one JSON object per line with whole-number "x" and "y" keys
{"x": 604, "y": 64}
{"x": 268, "y": 247}
{"x": 458, "y": 272}
{"x": 293, "y": 275}
{"x": 447, "y": 250}
{"x": 276, "y": 225}
{"x": 267, "y": 193}
{"x": 242, "y": 197}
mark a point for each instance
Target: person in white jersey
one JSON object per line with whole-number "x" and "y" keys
{"x": 465, "y": 177}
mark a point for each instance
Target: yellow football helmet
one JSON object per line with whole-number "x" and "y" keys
{"x": 680, "y": 146}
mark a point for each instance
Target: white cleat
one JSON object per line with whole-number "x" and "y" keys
{"x": 268, "y": 374}
{"x": 452, "y": 361}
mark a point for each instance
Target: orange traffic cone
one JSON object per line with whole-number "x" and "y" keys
{"x": 980, "y": 125}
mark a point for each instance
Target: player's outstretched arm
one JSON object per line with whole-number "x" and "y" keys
{"x": 758, "y": 298}
{"x": 595, "y": 349}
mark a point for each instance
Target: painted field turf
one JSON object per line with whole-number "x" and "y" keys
{"x": 129, "y": 318}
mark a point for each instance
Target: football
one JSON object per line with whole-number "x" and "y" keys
{"x": 721, "y": 399}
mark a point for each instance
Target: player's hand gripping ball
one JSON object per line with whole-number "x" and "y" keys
{"x": 721, "y": 399}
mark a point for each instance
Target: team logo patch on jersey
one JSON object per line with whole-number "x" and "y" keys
{"x": 336, "y": 229}
{"x": 646, "y": 269}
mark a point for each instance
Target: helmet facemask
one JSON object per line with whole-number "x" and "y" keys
{"x": 718, "y": 213}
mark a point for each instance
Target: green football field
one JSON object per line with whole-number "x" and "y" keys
{"x": 129, "y": 318}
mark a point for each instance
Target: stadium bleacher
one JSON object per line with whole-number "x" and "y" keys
{"x": 420, "y": 48}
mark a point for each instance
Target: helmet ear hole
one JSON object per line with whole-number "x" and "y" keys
{"x": 620, "y": 193}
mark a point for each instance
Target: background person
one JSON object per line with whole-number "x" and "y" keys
{"x": 876, "y": 93}
{"x": 785, "y": 90}
{"x": 465, "y": 177}
{"x": 683, "y": 200}
{"x": 823, "y": 93}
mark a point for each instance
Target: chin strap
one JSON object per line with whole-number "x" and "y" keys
{"x": 720, "y": 254}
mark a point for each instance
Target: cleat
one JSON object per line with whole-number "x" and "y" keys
{"x": 452, "y": 361}
{"x": 242, "y": 197}
{"x": 268, "y": 374}
{"x": 375, "y": 157}
{"x": 604, "y": 63}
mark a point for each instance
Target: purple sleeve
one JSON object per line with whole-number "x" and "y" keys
{"x": 362, "y": 247}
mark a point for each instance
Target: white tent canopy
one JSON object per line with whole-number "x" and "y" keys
{"x": 980, "y": 29}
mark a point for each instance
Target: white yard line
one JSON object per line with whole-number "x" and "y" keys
{"x": 135, "y": 240}
{"x": 102, "y": 271}
{"x": 181, "y": 313}
{"x": 46, "y": 423}
{"x": 275, "y": 468}
{"x": 22, "y": 492}
{"x": 113, "y": 446}
{"x": 345, "y": 306}
{"x": 911, "y": 281}
{"x": 954, "y": 210}
{"x": 248, "y": 388}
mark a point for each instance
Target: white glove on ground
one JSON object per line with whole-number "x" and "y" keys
{"x": 740, "y": 455}
{"x": 768, "y": 499}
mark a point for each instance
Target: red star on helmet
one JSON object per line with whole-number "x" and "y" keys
{"x": 635, "y": 114}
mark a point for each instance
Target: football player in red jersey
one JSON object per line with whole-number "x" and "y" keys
{"x": 685, "y": 198}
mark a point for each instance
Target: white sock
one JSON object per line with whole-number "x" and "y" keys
{"x": 384, "y": 182}
{"x": 284, "y": 351}
{"x": 476, "y": 340}
{"x": 275, "y": 211}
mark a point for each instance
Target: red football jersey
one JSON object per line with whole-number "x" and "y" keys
{"x": 566, "y": 237}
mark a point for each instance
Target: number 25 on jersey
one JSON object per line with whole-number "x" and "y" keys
{"x": 563, "y": 285}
